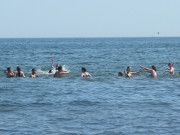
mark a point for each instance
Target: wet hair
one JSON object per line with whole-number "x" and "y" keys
{"x": 83, "y": 69}
{"x": 33, "y": 69}
{"x": 170, "y": 63}
{"x": 9, "y": 68}
{"x": 120, "y": 74}
{"x": 59, "y": 68}
{"x": 19, "y": 71}
{"x": 154, "y": 67}
{"x": 128, "y": 67}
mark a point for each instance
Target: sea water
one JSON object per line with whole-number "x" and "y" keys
{"x": 102, "y": 105}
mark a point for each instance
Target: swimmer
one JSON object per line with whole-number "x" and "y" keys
{"x": 10, "y": 73}
{"x": 57, "y": 66}
{"x": 33, "y": 74}
{"x": 19, "y": 73}
{"x": 128, "y": 73}
{"x": 120, "y": 74}
{"x": 52, "y": 66}
{"x": 53, "y": 69}
{"x": 84, "y": 73}
{"x": 60, "y": 72}
{"x": 170, "y": 69}
{"x": 152, "y": 71}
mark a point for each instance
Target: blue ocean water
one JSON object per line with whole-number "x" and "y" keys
{"x": 102, "y": 105}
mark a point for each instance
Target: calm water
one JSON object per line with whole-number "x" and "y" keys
{"x": 102, "y": 105}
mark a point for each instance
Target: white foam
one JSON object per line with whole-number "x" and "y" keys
{"x": 65, "y": 68}
{"x": 39, "y": 71}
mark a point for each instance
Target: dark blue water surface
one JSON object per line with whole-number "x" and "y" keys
{"x": 102, "y": 105}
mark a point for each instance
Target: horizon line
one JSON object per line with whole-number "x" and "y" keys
{"x": 90, "y": 37}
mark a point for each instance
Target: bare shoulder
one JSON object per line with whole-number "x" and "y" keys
{"x": 56, "y": 74}
{"x": 88, "y": 74}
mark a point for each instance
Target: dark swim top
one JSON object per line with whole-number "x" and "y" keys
{"x": 127, "y": 75}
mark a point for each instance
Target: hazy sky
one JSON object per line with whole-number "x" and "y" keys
{"x": 89, "y": 18}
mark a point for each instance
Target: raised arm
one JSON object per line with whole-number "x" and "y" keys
{"x": 125, "y": 71}
{"x": 65, "y": 72}
{"x": 133, "y": 73}
{"x": 52, "y": 65}
{"x": 166, "y": 71}
{"x": 166, "y": 67}
{"x": 145, "y": 68}
{"x": 144, "y": 71}
{"x": 137, "y": 72}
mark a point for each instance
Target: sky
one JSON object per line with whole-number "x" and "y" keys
{"x": 89, "y": 18}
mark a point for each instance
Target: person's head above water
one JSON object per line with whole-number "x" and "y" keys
{"x": 19, "y": 71}
{"x": 60, "y": 68}
{"x": 9, "y": 69}
{"x": 129, "y": 69}
{"x": 57, "y": 66}
{"x": 120, "y": 74}
{"x": 83, "y": 69}
{"x": 170, "y": 64}
{"x": 154, "y": 67}
{"x": 18, "y": 68}
{"x": 33, "y": 71}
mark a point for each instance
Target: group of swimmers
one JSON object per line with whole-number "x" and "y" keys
{"x": 9, "y": 73}
{"x": 58, "y": 71}
{"x": 151, "y": 70}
